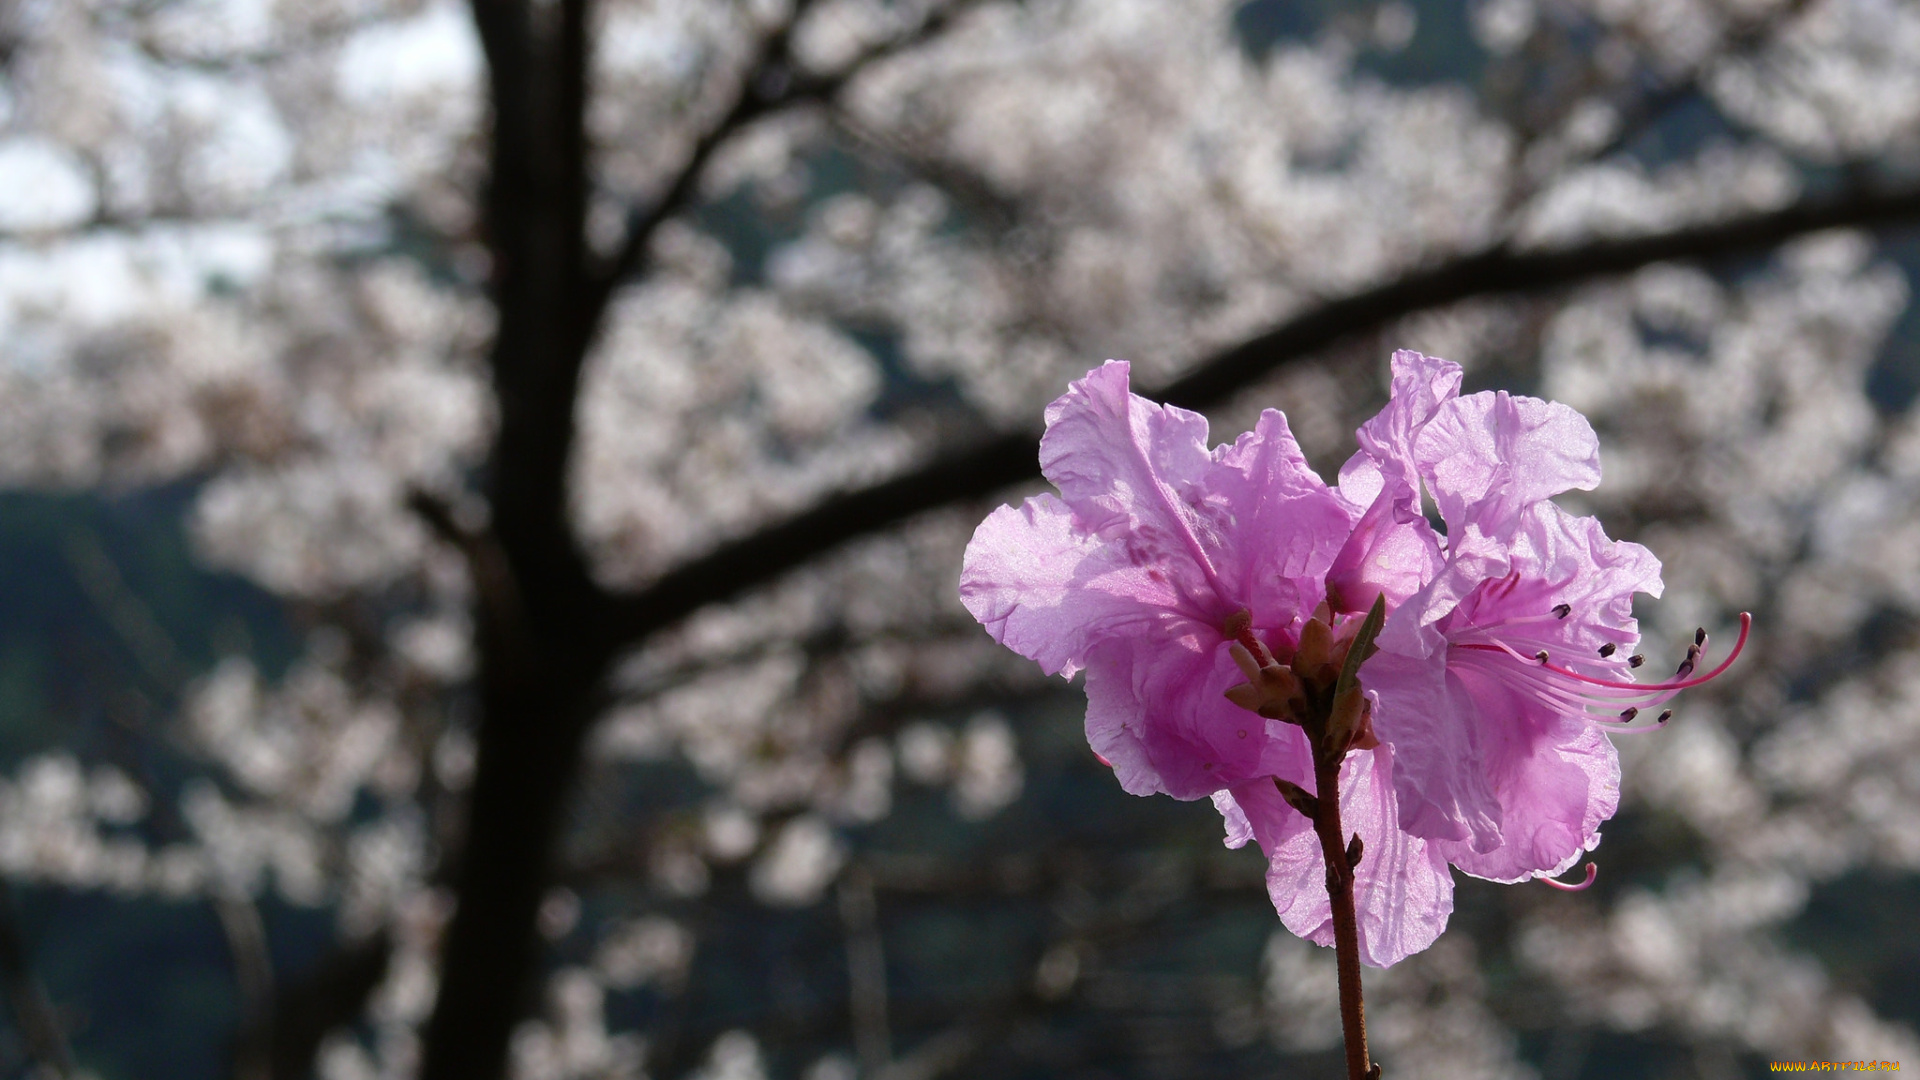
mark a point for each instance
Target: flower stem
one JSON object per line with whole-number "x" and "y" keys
{"x": 1346, "y": 928}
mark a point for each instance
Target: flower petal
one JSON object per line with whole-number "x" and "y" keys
{"x": 1391, "y": 549}
{"x": 1158, "y": 711}
{"x": 1123, "y": 463}
{"x": 1274, "y": 523}
{"x": 1239, "y": 829}
{"x": 1421, "y": 386}
{"x": 1402, "y": 890}
{"x": 1554, "y": 793}
{"x": 1429, "y": 719}
{"x": 1581, "y": 567}
{"x": 1048, "y": 590}
{"x": 1489, "y": 456}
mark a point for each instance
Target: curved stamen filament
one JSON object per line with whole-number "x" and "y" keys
{"x": 1602, "y": 709}
{"x": 1746, "y": 624}
{"x": 1592, "y": 870}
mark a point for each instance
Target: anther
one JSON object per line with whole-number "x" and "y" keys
{"x": 1541, "y": 656}
{"x": 1607, "y": 649}
{"x": 1686, "y": 666}
{"x": 1629, "y": 713}
{"x": 1700, "y": 636}
{"x": 1664, "y": 717}
{"x": 1636, "y": 660}
{"x": 1561, "y": 611}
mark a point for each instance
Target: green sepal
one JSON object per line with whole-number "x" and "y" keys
{"x": 1363, "y": 647}
{"x": 1348, "y": 705}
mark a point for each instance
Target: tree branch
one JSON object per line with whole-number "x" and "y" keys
{"x": 1010, "y": 458}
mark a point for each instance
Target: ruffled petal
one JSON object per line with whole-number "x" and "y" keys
{"x": 1489, "y": 456}
{"x": 1472, "y": 558}
{"x": 1402, "y": 890}
{"x": 1581, "y": 567}
{"x": 1431, "y": 721}
{"x": 1117, "y": 722}
{"x": 1554, "y": 794}
{"x": 1123, "y": 464}
{"x": 1239, "y": 829}
{"x": 1047, "y": 589}
{"x": 1391, "y": 549}
{"x": 1158, "y": 712}
{"x": 1421, "y": 386}
{"x": 1274, "y": 523}
{"x": 1402, "y": 887}
{"x": 1296, "y": 874}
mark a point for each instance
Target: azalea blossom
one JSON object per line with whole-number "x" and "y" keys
{"x": 1192, "y": 584}
{"x": 1153, "y": 551}
{"x": 1508, "y": 653}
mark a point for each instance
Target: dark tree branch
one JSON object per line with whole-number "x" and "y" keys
{"x": 539, "y": 670}
{"x": 769, "y": 84}
{"x": 1010, "y": 458}
{"x": 305, "y": 1010}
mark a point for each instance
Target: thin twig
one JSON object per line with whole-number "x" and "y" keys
{"x": 253, "y": 971}
{"x": 866, "y": 973}
{"x": 39, "y": 1028}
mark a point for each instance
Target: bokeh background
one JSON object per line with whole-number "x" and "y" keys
{"x": 823, "y": 828}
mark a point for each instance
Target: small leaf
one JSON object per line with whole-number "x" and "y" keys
{"x": 1363, "y": 646}
{"x": 1297, "y": 797}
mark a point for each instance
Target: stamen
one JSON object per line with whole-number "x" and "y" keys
{"x": 1607, "y": 649}
{"x": 1680, "y": 682}
{"x": 1592, "y": 870}
{"x": 1610, "y": 704}
{"x": 1561, "y": 611}
{"x": 1664, "y": 717}
{"x": 1636, "y": 660}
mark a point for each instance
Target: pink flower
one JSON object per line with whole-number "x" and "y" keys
{"x": 1502, "y": 660}
{"x": 1505, "y": 658}
{"x": 1134, "y": 570}
{"x": 1135, "y": 573}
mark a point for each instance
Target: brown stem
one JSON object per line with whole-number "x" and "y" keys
{"x": 1346, "y": 927}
